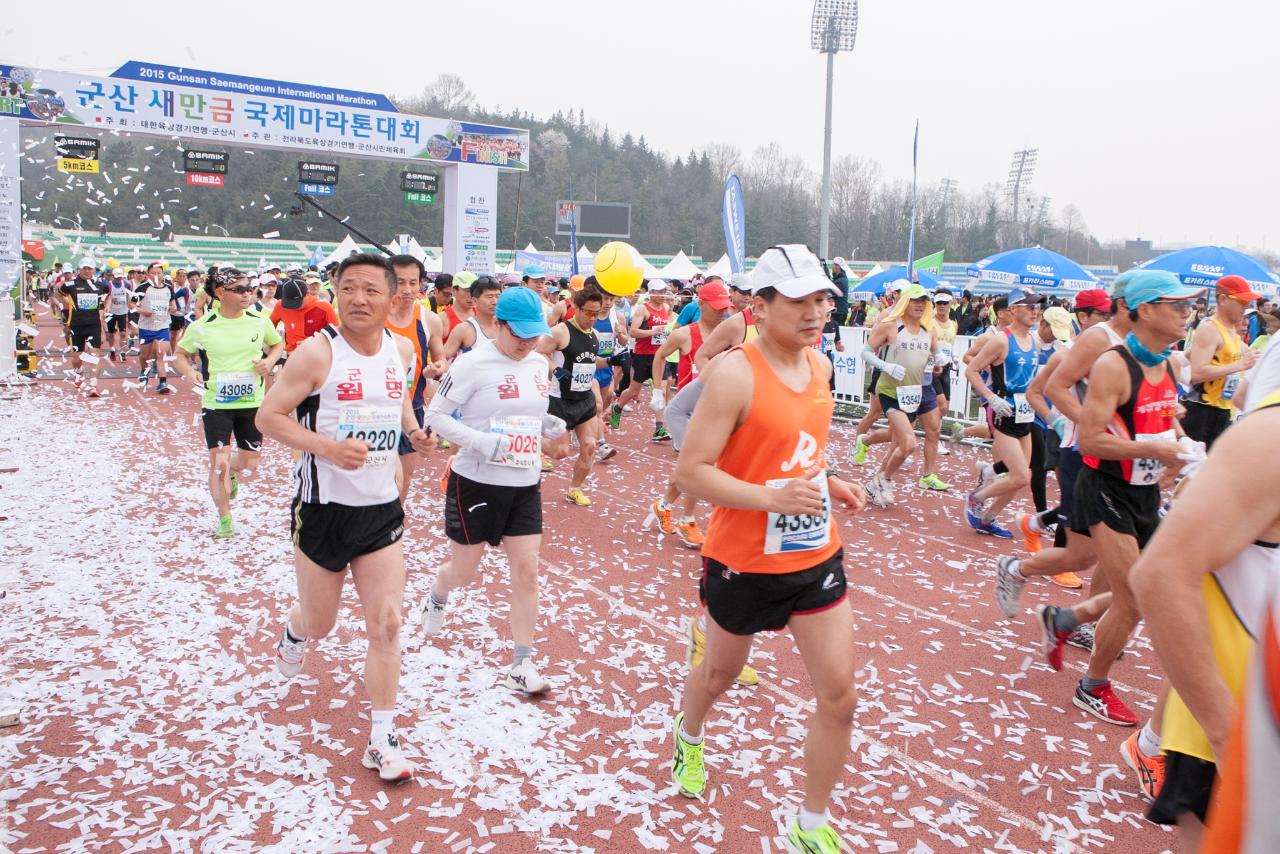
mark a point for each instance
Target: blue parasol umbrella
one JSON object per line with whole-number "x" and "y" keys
{"x": 1202, "y": 266}
{"x": 874, "y": 286}
{"x": 1034, "y": 267}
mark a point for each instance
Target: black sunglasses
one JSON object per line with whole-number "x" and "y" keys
{"x": 241, "y": 289}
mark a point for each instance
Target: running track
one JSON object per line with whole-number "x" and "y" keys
{"x": 139, "y": 647}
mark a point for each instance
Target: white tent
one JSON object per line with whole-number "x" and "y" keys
{"x": 680, "y": 267}
{"x": 530, "y": 248}
{"x": 345, "y": 248}
{"x": 415, "y": 249}
{"x": 650, "y": 271}
{"x": 720, "y": 268}
{"x": 584, "y": 254}
{"x": 432, "y": 264}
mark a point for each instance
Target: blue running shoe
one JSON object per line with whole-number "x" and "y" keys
{"x": 994, "y": 530}
{"x": 973, "y": 511}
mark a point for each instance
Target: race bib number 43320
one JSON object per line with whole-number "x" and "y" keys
{"x": 377, "y": 426}
{"x": 786, "y": 533}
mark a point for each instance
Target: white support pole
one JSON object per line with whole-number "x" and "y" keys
{"x": 470, "y": 218}
{"x": 10, "y": 241}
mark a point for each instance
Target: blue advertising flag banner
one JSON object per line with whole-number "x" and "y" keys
{"x": 317, "y": 255}
{"x": 315, "y": 189}
{"x": 557, "y": 266}
{"x": 152, "y": 72}
{"x": 733, "y": 212}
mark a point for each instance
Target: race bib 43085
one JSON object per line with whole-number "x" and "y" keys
{"x": 235, "y": 387}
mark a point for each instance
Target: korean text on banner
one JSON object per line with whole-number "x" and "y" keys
{"x": 162, "y": 101}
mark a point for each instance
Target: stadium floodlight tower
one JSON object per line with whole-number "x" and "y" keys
{"x": 834, "y": 28}
{"x": 1021, "y": 171}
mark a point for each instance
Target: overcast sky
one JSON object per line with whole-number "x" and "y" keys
{"x": 1156, "y": 119}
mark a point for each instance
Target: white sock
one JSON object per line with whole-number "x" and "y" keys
{"x": 383, "y": 725}
{"x": 812, "y": 820}
{"x": 702, "y": 622}
{"x": 689, "y": 739}
{"x": 1148, "y": 742}
{"x": 1015, "y": 568}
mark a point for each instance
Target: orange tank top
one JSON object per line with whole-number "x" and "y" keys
{"x": 415, "y": 332}
{"x": 784, "y": 436}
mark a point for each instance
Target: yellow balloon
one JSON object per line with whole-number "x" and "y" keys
{"x": 111, "y": 262}
{"x": 619, "y": 268}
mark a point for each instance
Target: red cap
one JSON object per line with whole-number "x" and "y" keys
{"x": 1237, "y": 287}
{"x": 1094, "y": 298}
{"x": 715, "y": 294}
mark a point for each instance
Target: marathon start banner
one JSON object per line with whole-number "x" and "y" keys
{"x": 162, "y": 100}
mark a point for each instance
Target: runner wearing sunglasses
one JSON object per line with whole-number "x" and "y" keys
{"x": 237, "y": 347}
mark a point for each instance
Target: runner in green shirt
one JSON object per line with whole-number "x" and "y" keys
{"x": 236, "y": 347}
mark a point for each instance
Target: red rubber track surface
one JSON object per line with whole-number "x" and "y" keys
{"x": 140, "y": 648}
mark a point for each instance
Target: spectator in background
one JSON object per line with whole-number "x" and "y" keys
{"x": 967, "y": 317}
{"x": 301, "y": 311}
{"x": 840, "y": 276}
{"x": 443, "y": 296}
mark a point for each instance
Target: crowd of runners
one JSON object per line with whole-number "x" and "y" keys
{"x": 1130, "y": 434}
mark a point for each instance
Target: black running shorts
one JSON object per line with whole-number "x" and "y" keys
{"x": 333, "y": 535}
{"x": 942, "y": 382}
{"x": 744, "y": 603}
{"x": 1188, "y": 783}
{"x": 84, "y": 337}
{"x": 1069, "y": 465}
{"x": 177, "y": 323}
{"x": 641, "y": 367}
{"x": 1007, "y": 426}
{"x": 572, "y": 412}
{"x": 1205, "y": 423}
{"x": 477, "y": 512}
{"x": 117, "y": 323}
{"x": 1101, "y": 499}
{"x": 221, "y": 424}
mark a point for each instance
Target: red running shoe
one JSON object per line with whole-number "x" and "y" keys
{"x": 1051, "y": 640}
{"x": 1103, "y": 704}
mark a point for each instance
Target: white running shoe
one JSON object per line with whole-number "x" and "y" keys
{"x": 886, "y": 489}
{"x": 289, "y": 656}
{"x": 1009, "y": 584}
{"x": 986, "y": 474}
{"x": 524, "y": 678}
{"x": 432, "y": 617}
{"x": 874, "y": 495}
{"x": 389, "y": 762}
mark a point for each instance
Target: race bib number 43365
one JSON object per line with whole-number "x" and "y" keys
{"x": 786, "y": 533}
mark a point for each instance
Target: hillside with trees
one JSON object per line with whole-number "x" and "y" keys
{"x": 675, "y": 199}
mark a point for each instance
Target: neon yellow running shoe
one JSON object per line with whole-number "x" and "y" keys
{"x": 687, "y": 770}
{"x": 577, "y": 496}
{"x": 224, "y": 527}
{"x": 697, "y": 650}
{"x": 860, "y": 452}
{"x": 821, "y": 840}
{"x": 932, "y": 481}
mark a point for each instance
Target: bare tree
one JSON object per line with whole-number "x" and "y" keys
{"x": 449, "y": 95}
{"x": 725, "y": 158}
{"x": 1072, "y": 222}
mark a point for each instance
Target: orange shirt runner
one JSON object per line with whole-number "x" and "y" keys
{"x": 784, "y": 436}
